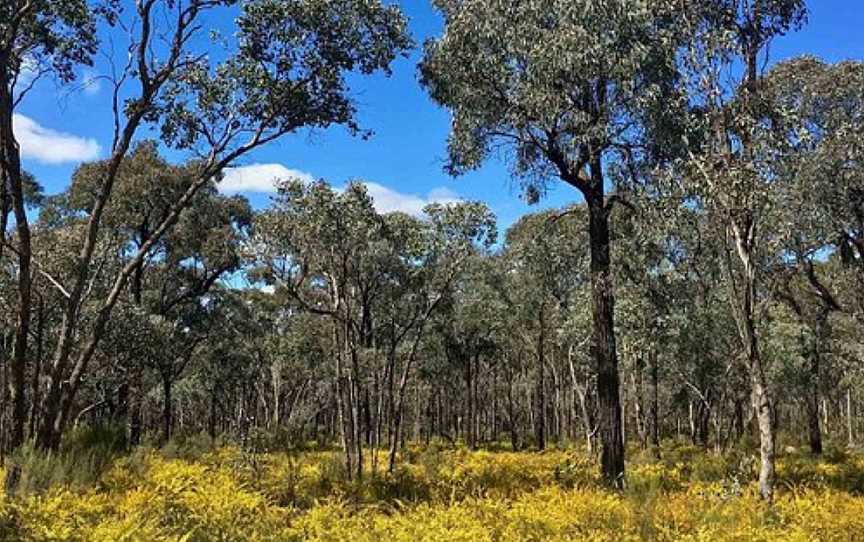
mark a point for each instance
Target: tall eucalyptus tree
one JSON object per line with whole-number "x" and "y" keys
{"x": 540, "y": 248}
{"x": 36, "y": 38}
{"x": 735, "y": 141}
{"x": 565, "y": 88}
{"x": 821, "y": 197}
{"x": 262, "y": 89}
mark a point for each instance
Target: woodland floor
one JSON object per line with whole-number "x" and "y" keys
{"x": 185, "y": 493}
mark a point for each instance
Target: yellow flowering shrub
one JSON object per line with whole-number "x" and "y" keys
{"x": 448, "y": 495}
{"x": 60, "y": 515}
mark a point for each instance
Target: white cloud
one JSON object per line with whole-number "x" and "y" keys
{"x": 50, "y": 146}
{"x": 388, "y": 200}
{"x": 443, "y": 195}
{"x": 259, "y": 178}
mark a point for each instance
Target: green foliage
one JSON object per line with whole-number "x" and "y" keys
{"x": 288, "y": 72}
{"x": 45, "y": 35}
{"x": 555, "y": 83}
{"x": 86, "y": 453}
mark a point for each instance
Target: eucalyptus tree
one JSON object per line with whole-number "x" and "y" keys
{"x": 451, "y": 236}
{"x": 146, "y": 185}
{"x": 811, "y": 311}
{"x": 283, "y": 70}
{"x": 316, "y": 245}
{"x": 565, "y": 88}
{"x": 540, "y": 249}
{"x": 296, "y": 364}
{"x": 734, "y": 144}
{"x": 821, "y": 198}
{"x": 245, "y": 349}
{"x": 574, "y": 333}
{"x": 467, "y": 329}
{"x": 671, "y": 263}
{"x": 825, "y": 168}
{"x": 178, "y": 337}
{"x": 377, "y": 279}
{"x": 645, "y": 250}
{"x": 20, "y": 288}
{"x": 181, "y": 267}
{"x": 36, "y": 38}
{"x": 182, "y": 285}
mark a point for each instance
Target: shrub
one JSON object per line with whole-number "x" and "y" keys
{"x": 227, "y": 493}
{"x": 85, "y": 454}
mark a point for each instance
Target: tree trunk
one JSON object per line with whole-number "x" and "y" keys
{"x": 37, "y": 369}
{"x": 761, "y": 400}
{"x": 540, "y": 426}
{"x": 10, "y": 173}
{"x": 5, "y": 209}
{"x": 639, "y": 413}
{"x": 815, "y": 432}
{"x": 400, "y": 401}
{"x": 557, "y": 407}
{"x": 764, "y": 419}
{"x": 604, "y": 349}
{"x": 167, "y": 414}
{"x": 655, "y": 401}
{"x": 511, "y": 414}
{"x": 135, "y": 422}
{"x": 211, "y": 418}
{"x": 469, "y": 402}
{"x": 353, "y": 394}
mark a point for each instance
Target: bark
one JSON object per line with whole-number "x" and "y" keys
{"x": 764, "y": 418}
{"x": 167, "y": 411}
{"x": 761, "y": 401}
{"x": 37, "y": 369}
{"x": 10, "y": 172}
{"x": 603, "y": 347}
{"x": 540, "y": 426}
{"x": 655, "y": 400}
{"x": 813, "y": 427}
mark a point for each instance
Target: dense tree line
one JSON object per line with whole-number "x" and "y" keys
{"x": 707, "y": 286}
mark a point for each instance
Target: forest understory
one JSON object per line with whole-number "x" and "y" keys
{"x": 195, "y": 489}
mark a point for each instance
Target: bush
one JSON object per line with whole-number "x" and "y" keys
{"x": 227, "y": 493}
{"x": 84, "y": 455}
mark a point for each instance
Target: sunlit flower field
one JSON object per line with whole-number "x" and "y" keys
{"x": 442, "y": 494}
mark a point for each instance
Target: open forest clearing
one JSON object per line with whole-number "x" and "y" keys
{"x": 439, "y": 494}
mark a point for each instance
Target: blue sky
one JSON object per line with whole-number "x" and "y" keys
{"x": 61, "y": 126}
